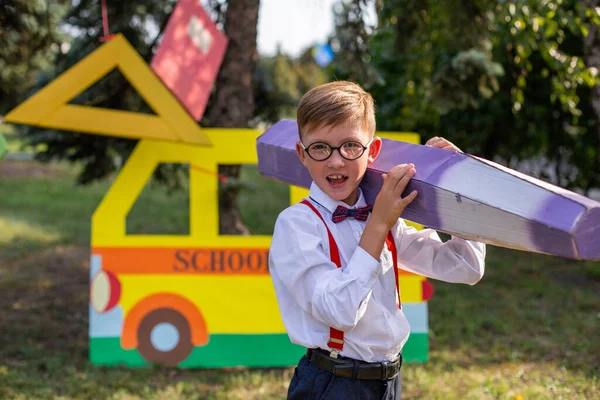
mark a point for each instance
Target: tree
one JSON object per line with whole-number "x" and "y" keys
{"x": 352, "y": 37}
{"x": 28, "y": 44}
{"x": 591, "y": 51}
{"x": 309, "y": 73}
{"x": 541, "y": 110}
{"x": 506, "y": 81}
{"x": 232, "y": 105}
{"x": 280, "y": 82}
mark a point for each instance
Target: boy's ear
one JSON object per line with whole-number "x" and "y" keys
{"x": 300, "y": 151}
{"x": 375, "y": 149}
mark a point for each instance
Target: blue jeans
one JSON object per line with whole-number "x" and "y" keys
{"x": 312, "y": 383}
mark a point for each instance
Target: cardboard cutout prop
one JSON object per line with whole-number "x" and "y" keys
{"x": 50, "y": 108}
{"x": 189, "y": 55}
{"x": 463, "y": 195}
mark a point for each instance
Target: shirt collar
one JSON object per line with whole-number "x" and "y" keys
{"x": 323, "y": 199}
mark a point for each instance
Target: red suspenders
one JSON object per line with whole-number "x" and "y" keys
{"x": 336, "y": 337}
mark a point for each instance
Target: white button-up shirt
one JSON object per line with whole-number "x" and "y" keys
{"x": 359, "y": 298}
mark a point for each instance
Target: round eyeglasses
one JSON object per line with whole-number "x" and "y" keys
{"x": 350, "y": 150}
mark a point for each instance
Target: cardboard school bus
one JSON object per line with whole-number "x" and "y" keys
{"x": 201, "y": 300}
{"x": 196, "y": 300}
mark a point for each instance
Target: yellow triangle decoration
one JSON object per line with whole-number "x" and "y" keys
{"x": 50, "y": 108}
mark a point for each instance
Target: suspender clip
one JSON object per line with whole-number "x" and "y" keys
{"x": 334, "y": 353}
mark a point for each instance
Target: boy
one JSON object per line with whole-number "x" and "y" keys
{"x": 335, "y": 270}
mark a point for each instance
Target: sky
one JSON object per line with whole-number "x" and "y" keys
{"x": 295, "y": 24}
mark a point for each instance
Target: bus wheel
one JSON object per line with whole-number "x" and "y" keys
{"x": 164, "y": 337}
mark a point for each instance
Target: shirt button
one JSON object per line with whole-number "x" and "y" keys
{"x": 358, "y": 234}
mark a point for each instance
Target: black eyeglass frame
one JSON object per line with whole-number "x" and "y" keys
{"x": 364, "y": 147}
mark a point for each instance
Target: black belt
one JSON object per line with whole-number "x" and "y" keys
{"x": 345, "y": 367}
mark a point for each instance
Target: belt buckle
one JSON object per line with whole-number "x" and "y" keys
{"x": 384, "y": 370}
{"x": 388, "y": 370}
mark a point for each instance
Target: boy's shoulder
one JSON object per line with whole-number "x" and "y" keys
{"x": 300, "y": 216}
{"x": 298, "y": 219}
{"x": 295, "y": 210}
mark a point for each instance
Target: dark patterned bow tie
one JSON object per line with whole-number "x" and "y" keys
{"x": 341, "y": 213}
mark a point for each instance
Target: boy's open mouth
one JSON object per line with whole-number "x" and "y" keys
{"x": 337, "y": 179}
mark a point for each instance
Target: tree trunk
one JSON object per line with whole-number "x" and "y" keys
{"x": 591, "y": 53}
{"x": 233, "y": 101}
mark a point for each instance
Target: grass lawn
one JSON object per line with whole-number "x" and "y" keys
{"x": 528, "y": 330}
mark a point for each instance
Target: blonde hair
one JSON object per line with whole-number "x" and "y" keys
{"x": 334, "y": 104}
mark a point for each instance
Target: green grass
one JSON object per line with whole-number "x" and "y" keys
{"x": 528, "y": 330}
{"x": 157, "y": 211}
{"x": 261, "y": 201}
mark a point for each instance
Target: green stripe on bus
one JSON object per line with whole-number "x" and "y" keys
{"x": 236, "y": 350}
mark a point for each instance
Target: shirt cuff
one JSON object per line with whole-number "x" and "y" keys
{"x": 364, "y": 267}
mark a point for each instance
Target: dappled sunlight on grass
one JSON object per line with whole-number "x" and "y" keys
{"x": 522, "y": 310}
{"x": 51, "y": 204}
{"x": 14, "y": 230}
{"x": 242, "y": 385}
{"x": 18, "y": 237}
{"x": 506, "y": 380}
{"x": 90, "y": 382}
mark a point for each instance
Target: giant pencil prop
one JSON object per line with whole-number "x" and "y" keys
{"x": 463, "y": 195}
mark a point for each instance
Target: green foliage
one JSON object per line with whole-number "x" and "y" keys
{"x": 352, "y": 39}
{"x": 285, "y": 81}
{"x": 276, "y": 88}
{"x": 504, "y": 80}
{"x": 28, "y": 44}
{"x": 280, "y": 82}
{"x": 469, "y": 76}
